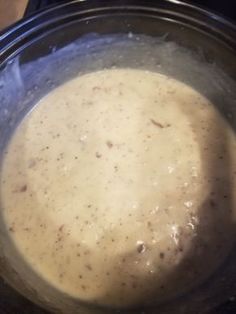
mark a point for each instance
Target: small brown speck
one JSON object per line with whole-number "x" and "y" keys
{"x": 162, "y": 255}
{"x": 109, "y": 144}
{"x": 23, "y": 188}
{"x": 98, "y": 155}
{"x": 80, "y": 277}
{"x": 83, "y": 287}
{"x": 96, "y": 88}
{"x": 158, "y": 124}
{"x": 212, "y": 203}
{"x": 11, "y": 229}
{"x": 88, "y": 266}
{"x": 61, "y": 228}
{"x": 141, "y": 248}
{"x": 59, "y": 239}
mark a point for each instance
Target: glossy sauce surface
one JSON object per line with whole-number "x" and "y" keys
{"x": 118, "y": 188}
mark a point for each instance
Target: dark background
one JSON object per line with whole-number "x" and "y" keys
{"x": 223, "y": 7}
{"x": 10, "y": 301}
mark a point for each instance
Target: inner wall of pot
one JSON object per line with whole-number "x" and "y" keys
{"x": 157, "y": 45}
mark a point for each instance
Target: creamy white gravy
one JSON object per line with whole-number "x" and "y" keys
{"x": 118, "y": 187}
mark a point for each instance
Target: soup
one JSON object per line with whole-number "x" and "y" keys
{"x": 116, "y": 188}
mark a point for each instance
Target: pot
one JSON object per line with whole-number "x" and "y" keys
{"x": 175, "y": 38}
